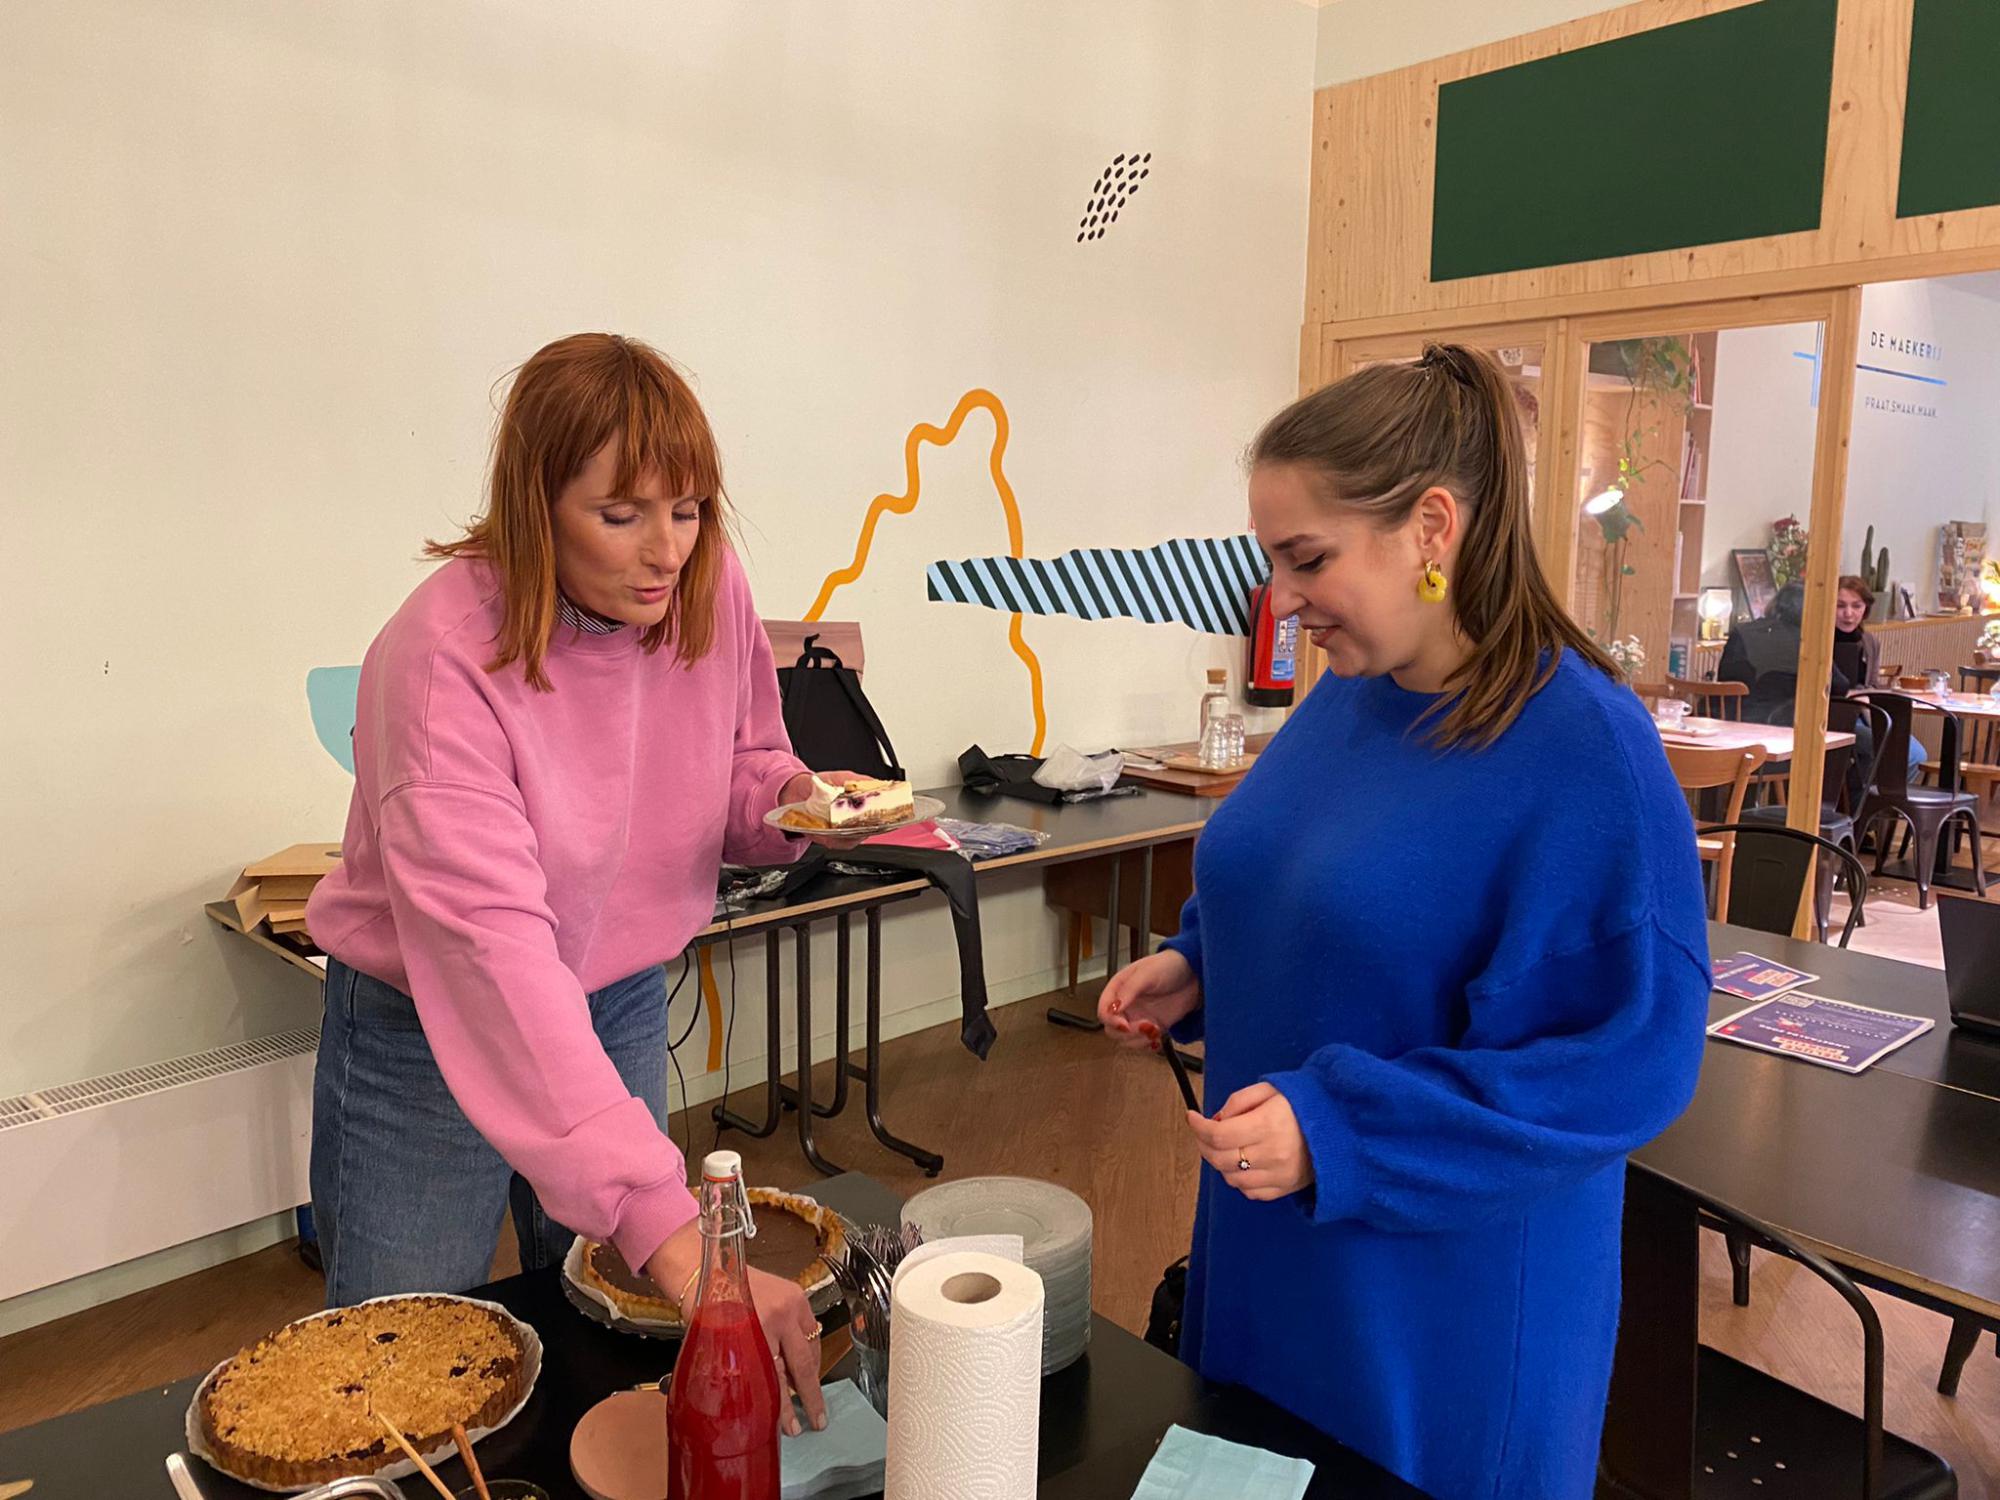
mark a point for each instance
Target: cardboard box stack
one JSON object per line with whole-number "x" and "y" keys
{"x": 274, "y": 890}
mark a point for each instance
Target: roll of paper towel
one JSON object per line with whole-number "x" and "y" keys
{"x": 965, "y": 1380}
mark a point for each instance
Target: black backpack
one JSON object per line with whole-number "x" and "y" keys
{"x": 1163, "y": 1328}
{"x": 830, "y": 720}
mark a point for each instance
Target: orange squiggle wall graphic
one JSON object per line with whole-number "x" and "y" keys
{"x": 906, "y": 502}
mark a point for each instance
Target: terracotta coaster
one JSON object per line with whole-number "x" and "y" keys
{"x": 619, "y": 1449}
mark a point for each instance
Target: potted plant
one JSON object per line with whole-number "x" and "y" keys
{"x": 1629, "y": 657}
{"x": 1615, "y": 524}
{"x": 1788, "y": 550}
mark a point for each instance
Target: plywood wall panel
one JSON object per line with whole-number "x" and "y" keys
{"x": 1374, "y": 159}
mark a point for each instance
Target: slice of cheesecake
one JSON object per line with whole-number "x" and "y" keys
{"x": 866, "y": 802}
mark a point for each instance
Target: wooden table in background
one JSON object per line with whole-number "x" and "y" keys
{"x": 1081, "y": 889}
{"x": 1777, "y": 740}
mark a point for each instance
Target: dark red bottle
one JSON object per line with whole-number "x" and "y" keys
{"x": 722, "y": 1408}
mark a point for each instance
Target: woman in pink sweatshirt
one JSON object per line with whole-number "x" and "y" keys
{"x": 560, "y": 737}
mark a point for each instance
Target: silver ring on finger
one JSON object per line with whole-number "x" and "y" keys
{"x": 1242, "y": 1163}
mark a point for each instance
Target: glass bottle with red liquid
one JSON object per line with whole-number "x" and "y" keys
{"x": 722, "y": 1408}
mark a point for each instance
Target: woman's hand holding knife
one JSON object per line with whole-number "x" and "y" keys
{"x": 1254, "y": 1140}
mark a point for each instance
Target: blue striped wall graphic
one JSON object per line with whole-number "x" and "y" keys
{"x": 1200, "y": 582}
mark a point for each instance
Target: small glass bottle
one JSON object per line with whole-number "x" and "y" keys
{"x": 723, "y": 1405}
{"x": 1214, "y": 702}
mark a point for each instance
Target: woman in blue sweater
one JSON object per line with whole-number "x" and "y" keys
{"x": 1449, "y": 956}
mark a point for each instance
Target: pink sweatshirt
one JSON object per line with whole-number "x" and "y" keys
{"x": 509, "y": 850}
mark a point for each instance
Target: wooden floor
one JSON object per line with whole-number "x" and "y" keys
{"x": 1049, "y": 1103}
{"x": 1895, "y": 927}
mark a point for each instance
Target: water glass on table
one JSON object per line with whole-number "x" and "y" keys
{"x": 1222, "y": 742}
{"x": 1670, "y": 714}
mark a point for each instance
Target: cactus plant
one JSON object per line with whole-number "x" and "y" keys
{"x": 1875, "y": 565}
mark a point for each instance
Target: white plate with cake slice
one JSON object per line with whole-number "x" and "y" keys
{"x": 861, "y": 807}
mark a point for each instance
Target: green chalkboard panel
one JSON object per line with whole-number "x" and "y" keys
{"x": 1951, "y": 129}
{"x": 1710, "y": 130}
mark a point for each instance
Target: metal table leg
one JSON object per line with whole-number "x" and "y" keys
{"x": 787, "y": 1094}
{"x": 843, "y": 948}
{"x": 871, "y": 1075}
{"x": 1191, "y": 1061}
{"x": 1144, "y": 932}
{"x": 802, "y": 950}
{"x": 722, "y": 1113}
{"x": 1070, "y": 1018}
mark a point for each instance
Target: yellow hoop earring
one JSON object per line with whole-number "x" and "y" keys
{"x": 1433, "y": 586}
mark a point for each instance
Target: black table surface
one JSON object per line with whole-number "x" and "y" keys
{"x": 1944, "y": 1055}
{"x": 1894, "y": 1171}
{"x": 1101, "y": 1419}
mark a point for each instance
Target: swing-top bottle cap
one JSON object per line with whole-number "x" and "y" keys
{"x": 722, "y": 1166}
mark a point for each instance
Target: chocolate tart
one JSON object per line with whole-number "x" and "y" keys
{"x": 795, "y": 1236}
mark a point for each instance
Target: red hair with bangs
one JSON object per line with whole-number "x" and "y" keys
{"x": 566, "y": 403}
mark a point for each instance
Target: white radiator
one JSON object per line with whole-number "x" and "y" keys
{"x": 100, "y": 1172}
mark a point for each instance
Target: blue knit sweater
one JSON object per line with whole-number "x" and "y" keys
{"x": 1480, "y": 978}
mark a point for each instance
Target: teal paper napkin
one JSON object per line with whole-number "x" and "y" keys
{"x": 1195, "y": 1466}
{"x": 845, "y": 1460}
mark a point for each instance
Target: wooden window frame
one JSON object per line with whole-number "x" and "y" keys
{"x": 1565, "y": 341}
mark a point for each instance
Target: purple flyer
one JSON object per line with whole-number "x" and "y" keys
{"x": 1753, "y": 977}
{"x": 1831, "y": 1033}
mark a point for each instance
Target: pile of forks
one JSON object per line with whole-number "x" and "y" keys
{"x": 865, "y": 1272}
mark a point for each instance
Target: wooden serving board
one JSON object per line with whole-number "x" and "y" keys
{"x": 1192, "y": 763}
{"x": 1181, "y": 772}
{"x": 1192, "y": 783}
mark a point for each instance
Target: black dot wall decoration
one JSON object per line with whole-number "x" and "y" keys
{"x": 1114, "y": 187}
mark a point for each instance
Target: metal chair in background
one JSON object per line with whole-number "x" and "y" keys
{"x": 1752, "y": 1427}
{"x": 1771, "y": 865}
{"x": 1925, "y": 811}
{"x": 1847, "y": 767}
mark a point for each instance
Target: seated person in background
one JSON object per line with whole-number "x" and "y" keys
{"x": 1856, "y": 653}
{"x": 1764, "y": 655}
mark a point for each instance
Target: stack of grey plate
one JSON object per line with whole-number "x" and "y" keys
{"x": 1054, "y": 1226}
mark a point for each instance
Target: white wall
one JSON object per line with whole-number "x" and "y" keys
{"x": 1358, "y": 38}
{"x": 261, "y": 267}
{"x": 1923, "y": 454}
{"x": 1761, "y": 439}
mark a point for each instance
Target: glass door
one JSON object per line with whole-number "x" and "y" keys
{"x": 1694, "y": 487}
{"x": 1701, "y": 534}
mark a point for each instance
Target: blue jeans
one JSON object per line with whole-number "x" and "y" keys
{"x": 407, "y": 1195}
